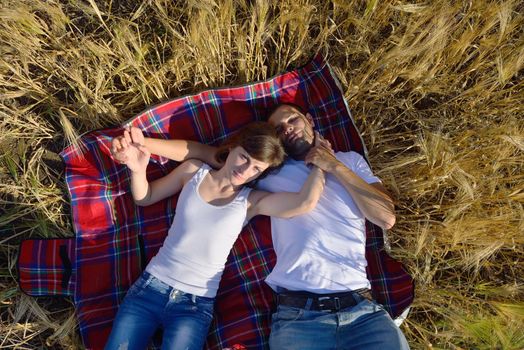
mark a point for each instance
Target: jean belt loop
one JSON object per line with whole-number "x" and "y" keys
{"x": 149, "y": 278}
{"x": 357, "y": 297}
{"x": 146, "y": 279}
{"x": 337, "y": 303}
{"x": 193, "y": 298}
{"x": 309, "y": 302}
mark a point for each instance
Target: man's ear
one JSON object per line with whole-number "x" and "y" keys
{"x": 309, "y": 118}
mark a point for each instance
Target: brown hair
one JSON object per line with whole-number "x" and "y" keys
{"x": 260, "y": 141}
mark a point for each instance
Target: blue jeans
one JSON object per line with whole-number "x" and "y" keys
{"x": 149, "y": 304}
{"x": 363, "y": 326}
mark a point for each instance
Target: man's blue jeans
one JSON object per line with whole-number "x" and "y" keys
{"x": 149, "y": 304}
{"x": 363, "y": 326}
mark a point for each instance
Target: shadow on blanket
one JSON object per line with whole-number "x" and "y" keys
{"x": 115, "y": 239}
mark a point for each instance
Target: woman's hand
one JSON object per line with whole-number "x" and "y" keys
{"x": 129, "y": 149}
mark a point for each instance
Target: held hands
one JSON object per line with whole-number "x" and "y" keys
{"x": 129, "y": 149}
{"x": 321, "y": 154}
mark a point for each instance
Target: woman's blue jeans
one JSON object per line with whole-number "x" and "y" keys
{"x": 150, "y": 304}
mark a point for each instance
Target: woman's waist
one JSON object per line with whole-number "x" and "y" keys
{"x": 183, "y": 269}
{"x": 161, "y": 286}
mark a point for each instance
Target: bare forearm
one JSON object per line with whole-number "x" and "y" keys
{"x": 313, "y": 187}
{"x": 140, "y": 188}
{"x": 289, "y": 204}
{"x": 181, "y": 150}
{"x": 374, "y": 204}
{"x": 306, "y": 200}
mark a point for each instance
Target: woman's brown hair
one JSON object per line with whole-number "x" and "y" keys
{"x": 260, "y": 141}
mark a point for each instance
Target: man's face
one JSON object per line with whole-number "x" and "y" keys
{"x": 294, "y": 129}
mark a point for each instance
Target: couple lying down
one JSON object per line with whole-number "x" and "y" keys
{"x": 318, "y": 201}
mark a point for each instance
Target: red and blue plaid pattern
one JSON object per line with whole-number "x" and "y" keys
{"x": 115, "y": 239}
{"x": 45, "y": 267}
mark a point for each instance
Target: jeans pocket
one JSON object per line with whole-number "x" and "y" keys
{"x": 137, "y": 288}
{"x": 205, "y": 306}
{"x": 157, "y": 286}
{"x": 371, "y": 303}
{"x": 287, "y": 313}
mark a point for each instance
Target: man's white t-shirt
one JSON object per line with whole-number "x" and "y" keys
{"x": 322, "y": 251}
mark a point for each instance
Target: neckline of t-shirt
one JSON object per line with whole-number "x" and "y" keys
{"x": 205, "y": 172}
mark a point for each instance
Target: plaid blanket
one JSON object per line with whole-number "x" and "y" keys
{"x": 115, "y": 239}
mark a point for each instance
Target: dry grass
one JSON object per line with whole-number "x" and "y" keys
{"x": 436, "y": 87}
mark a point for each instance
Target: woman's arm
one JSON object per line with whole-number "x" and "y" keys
{"x": 177, "y": 150}
{"x": 288, "y": 204}
{"x": 180, "y": 150}
{"x": 145, "y": 193}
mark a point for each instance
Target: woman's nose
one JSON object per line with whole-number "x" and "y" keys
{"x": 244, "y": 168}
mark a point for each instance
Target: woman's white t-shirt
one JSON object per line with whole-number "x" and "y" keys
{"x": 194, "y": 254}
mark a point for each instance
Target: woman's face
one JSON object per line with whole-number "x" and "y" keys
{"x": 242, "y": 168}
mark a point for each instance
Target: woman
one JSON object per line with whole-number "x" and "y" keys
{"x": 177, "y": 289}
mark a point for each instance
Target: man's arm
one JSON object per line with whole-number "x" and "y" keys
{"x": 372, "y": 199}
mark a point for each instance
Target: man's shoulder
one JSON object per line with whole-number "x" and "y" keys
{"x": 348, "y": 154}
{"x": 349, "y": 157}
{"x": 288, "y": 164}
{"x": 278, "y": 180}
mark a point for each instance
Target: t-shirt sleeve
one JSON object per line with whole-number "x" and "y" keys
{"x": 358, "y": 165}
{"x": 265, "y": 185}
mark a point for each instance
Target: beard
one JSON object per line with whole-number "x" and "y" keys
{"x": 298, "y": 148}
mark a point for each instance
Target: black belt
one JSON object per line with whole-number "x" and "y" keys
{"x": 322, "y": 302}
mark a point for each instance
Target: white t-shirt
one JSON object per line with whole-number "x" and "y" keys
{"x": 195, "y": 251}
{"x": 322, "y": 251}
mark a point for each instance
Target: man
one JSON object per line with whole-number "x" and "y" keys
{"x": 324, "y": 300}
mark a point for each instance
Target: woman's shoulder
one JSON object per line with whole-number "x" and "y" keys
{"x": 256, "y": 195}
{"x": 189, "y": 168}
{"x": 193, "y": 164}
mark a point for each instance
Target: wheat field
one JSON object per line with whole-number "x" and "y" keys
{"x": 435, "y": 87}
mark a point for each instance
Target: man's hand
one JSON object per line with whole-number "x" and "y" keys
{"x": 129, "y": 149}
{"x": 322, "y": 154}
